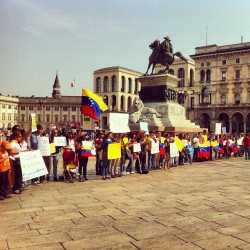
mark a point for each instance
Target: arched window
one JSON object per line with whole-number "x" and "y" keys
{"x": 122, "y": 84}
{"x": 106, "y": 84}
{"x": 208, "y": 75}
{"x": 205, "y": 95}
{"x": 113, "y": 102}
{"x": 202, "y": 76}
{"x": 191, "y": 83}
{"x": 136, "y": 87}
{"x": 129, "y": 103}
{"x": 129, "y": 85}
{"x": 237, "y": 98}
{"x": 181, "y": 75}
{"x": 113, "y": 84}
{"x": 223, "y": 98}
{"x": 122, "y": 103}
{"x": 106, "y": 100}
{"x": 171, "y": 72}
{"x": 98, "y": 85}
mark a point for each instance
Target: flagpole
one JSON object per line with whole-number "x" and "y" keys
{"x": 74, "y": 87}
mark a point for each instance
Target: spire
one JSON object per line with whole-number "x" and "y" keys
{"x": 56, "y": 88}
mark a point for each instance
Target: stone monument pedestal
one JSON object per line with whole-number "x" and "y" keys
{"x": 158, "y": 94}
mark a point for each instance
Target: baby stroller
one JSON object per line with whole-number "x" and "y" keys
{"x": 70, "y": 171}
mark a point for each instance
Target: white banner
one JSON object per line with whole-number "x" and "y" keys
{"x": 217, "y": 128}
{"x": 43, "y": 146}
{"x": 60, "y": 141}
{"x": 144, "y": 127}
{"x": 137, "y": 147}
{"x": 32, "y": 164}
{"x": 155, "y": 147}
{"x": 174, "y": 152}
{"x": 118, "y": 123}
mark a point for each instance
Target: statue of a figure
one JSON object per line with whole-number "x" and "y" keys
{"x": 162, "y": 54}
{"x": 137, "y": 111}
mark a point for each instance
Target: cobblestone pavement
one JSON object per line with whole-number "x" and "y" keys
{"x": 199, "y": 206}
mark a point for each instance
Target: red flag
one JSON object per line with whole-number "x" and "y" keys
{"x": 72, "y": 84}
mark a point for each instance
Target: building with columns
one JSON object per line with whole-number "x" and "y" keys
{"x": 222, "y": 87}
{"x": 118, "y": 87}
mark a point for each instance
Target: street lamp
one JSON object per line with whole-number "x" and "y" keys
{"x": 182, "y": 95}
{"x": 40, "y": 102}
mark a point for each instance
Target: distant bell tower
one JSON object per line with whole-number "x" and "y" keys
{"x": 56, "y": 88}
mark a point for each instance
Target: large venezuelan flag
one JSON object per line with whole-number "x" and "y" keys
{"x": 92, "y": 104}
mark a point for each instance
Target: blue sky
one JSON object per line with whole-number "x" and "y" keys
{"x": 77, "y": 37}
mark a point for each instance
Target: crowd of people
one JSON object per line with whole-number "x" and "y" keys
{"x": 130, "y": 161}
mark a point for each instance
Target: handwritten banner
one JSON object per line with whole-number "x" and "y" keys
{"x": 43, "y": 146}
{"x": 118, "y": 123}
{"x": 32, "y": 164}
{"x": 60, "y": 141}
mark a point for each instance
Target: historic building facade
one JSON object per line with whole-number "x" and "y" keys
{"x": 222, "y": 87}
{"x": 118, "y": 87}
{"x": 8, "y": 111}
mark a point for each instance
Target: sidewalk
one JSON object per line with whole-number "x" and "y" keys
{"x": 200, "y": 206}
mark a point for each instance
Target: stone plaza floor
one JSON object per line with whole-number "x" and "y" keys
{"x": 200, "y": 206}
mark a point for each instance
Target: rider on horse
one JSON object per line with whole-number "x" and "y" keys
{"x": 166, "y": 48}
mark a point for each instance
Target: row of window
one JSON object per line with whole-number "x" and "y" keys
{"x": 48, "y": 118}
{"x": 181, "y": 75}
{"x": 223, "y": 62}
{"x": 106, "y": 87}
{"x": 48, "y": 108}
{"x": 9, "y": 106}
{"x": 9, "y": 117}
{"x": 112, "y": 103}
{"x": 205, "y": 75}
{"x": 205, "y": 98}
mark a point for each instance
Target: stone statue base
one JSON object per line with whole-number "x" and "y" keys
{"x": 158, "y": 109}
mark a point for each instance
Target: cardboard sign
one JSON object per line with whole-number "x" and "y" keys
{"x": 217, "y": 128}
{"x": 155, "y": 147}
{"x": 174, "y": 152}
{"x": 144, "y": 127}
{"x": 33, "y": 122}
{"x": 137, "y": 147}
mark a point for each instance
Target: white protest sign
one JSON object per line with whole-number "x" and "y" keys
{"x": 118, "y": 123}
{"x": 32, "y": 164}
{"x": 155, "y": 147}
{"x": 43, "y": 146}
{"x": 60, "y": 141}
{"x": 137, "y": 147}
{"x": 174, "y": 152}
{"x": 224, "y": 130}
{"x": 217, "y": 128}
{"x": 144, "y": 127}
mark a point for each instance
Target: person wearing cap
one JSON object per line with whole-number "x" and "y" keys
{"x": 4, "y": 170}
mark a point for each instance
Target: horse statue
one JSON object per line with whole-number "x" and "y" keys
{"x": 162, "y": 54}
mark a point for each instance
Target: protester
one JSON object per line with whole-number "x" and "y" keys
{"x": 4, "y": 170}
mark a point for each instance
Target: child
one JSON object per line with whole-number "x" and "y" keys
{"x": 4, "y": 170}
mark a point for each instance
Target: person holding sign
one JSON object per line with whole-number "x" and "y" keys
{"x": 16, "y": 149}
{"x": 151, "y": 156}
{"x": 55, "y": 156}
{"x": 104, "y": 155}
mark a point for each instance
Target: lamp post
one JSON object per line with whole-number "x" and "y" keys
{"x": 40, "y": 102}
{"x": 182, "y": 95}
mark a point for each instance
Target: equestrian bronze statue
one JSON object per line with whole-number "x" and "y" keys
{"x": 162, "y": 54}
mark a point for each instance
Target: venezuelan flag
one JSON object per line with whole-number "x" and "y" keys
{"x": 179, "y": 143}
{"x": 234, "y": 148}
{"x": 204, "y": 151}
{"x": 92, "y": 104}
